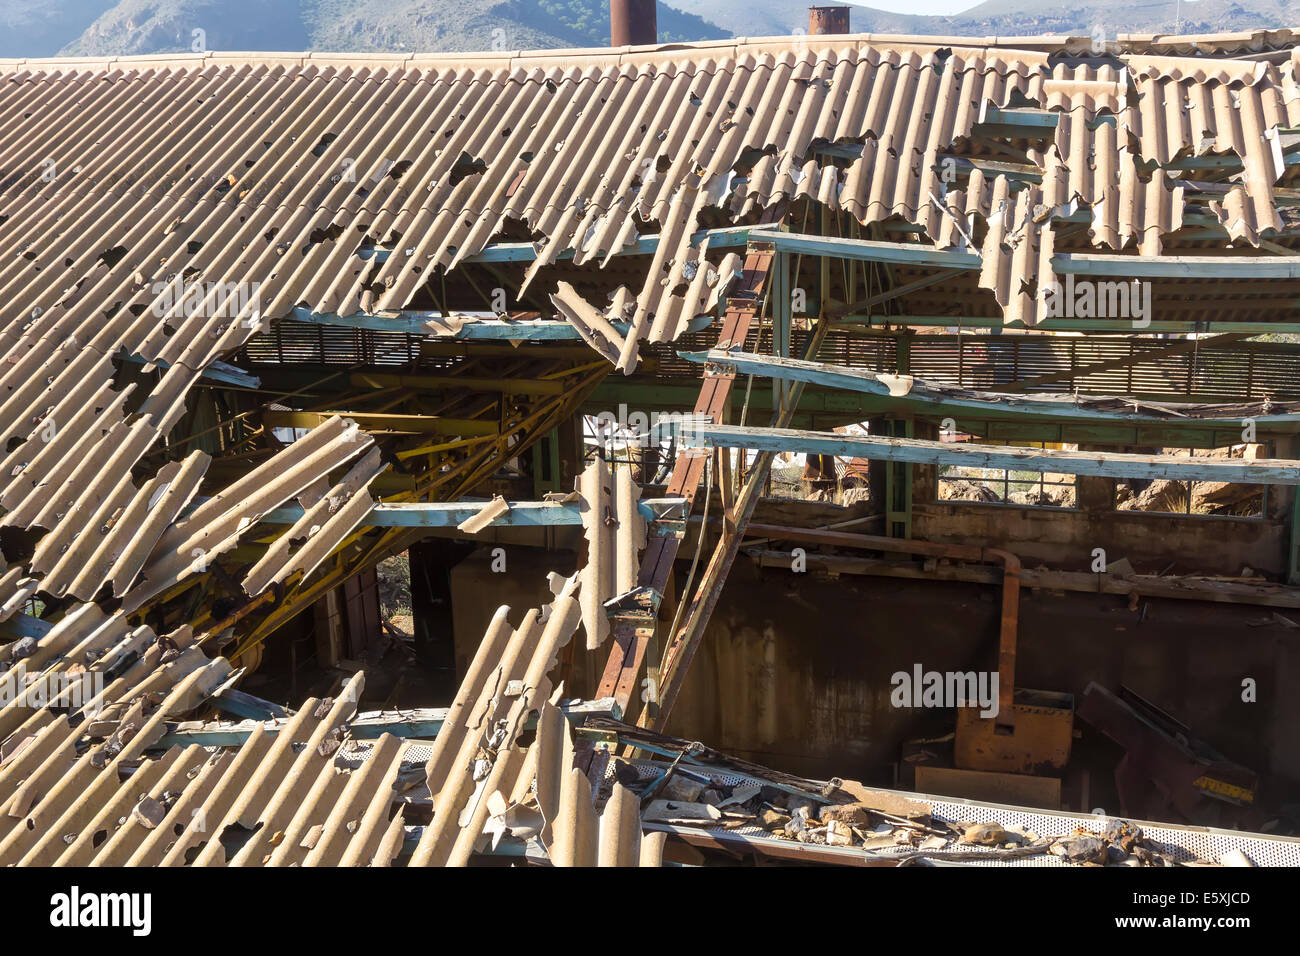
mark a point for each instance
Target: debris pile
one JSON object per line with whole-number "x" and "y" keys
{"x": 889, "y": 827}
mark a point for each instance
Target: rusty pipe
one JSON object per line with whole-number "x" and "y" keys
{"x": 1007, "y": 636}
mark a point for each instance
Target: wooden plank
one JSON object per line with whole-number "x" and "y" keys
{"x": 1144, "y": 585}
{"x": 990, "y": 786}
{"x": 719, "y": 238}
{"x": 420, "y": 723}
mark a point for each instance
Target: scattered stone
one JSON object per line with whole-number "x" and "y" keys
{"x": 149, "y": 812}
{"x": 838, "y": 834}
{"x": 984, "y": 834}
{"x": 772, "y": 820}
{"x": 854, "y": 814}
{"x": 1123, "y": 834}
{"x": 798, "y": 822}
{"x": 682, "y": 789}
{"x": 1087, "y": 850}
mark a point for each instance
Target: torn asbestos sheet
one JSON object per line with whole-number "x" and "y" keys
{"x": 494, "y": 509}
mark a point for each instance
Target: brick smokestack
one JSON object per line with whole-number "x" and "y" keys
{"x": 632, "y": 23}
{"x": 828, "y": 20}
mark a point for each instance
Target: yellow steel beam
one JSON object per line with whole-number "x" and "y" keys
{"x": 410, "y": 424}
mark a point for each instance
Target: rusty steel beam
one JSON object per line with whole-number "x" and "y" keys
{"x": 634, "y": 633}
{"x": 681, "y": 650}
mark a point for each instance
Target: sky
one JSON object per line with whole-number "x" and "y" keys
{"x": 937, "y": 8}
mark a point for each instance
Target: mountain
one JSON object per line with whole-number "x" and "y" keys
{"x": 105, "y": 27}
{"x": 167, "y": 26}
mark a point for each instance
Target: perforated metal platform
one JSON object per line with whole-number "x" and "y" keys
{"x": 1179, "y": 843}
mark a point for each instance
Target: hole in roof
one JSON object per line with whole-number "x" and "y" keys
{"x": 111, "y": 257}
{"x": 319, "y": 148}
{"x": 466, "y": 166}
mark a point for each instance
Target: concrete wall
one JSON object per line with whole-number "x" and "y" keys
{"x": 795, "y": 669}
{"x": 477, "y": 592}
{"x": 1064, "y": 538}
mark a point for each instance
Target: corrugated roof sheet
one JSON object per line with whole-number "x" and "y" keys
{"x": 273, "y": 169}
{"x": 482, "y": 779}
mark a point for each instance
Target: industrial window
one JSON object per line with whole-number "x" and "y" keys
{"x": 1214, "y": 498}
{"x": 1035, "y": 489}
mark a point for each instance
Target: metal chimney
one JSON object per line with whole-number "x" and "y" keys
{"x": 632, "y": 23}
{"x": 828, "y": 20}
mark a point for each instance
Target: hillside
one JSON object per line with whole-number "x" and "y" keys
{"x": 159, "y": 26}
{"x": 102, "y": 27}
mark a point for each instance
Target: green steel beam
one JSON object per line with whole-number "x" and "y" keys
{"x": 1177, "y": 267}
{"x": 862, "y": 380}
{"x": 826, "y": 407}
{"x": 915, "y": 451}
{"x": 869, "y": 250}
{"x": 852, "y": 322}
{"x": 24, "y": 625}
{"x": 421, "y": 723}
{"x": 442, "y": 514}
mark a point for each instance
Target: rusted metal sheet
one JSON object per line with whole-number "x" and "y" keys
{"x": 1042, "y": 724}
